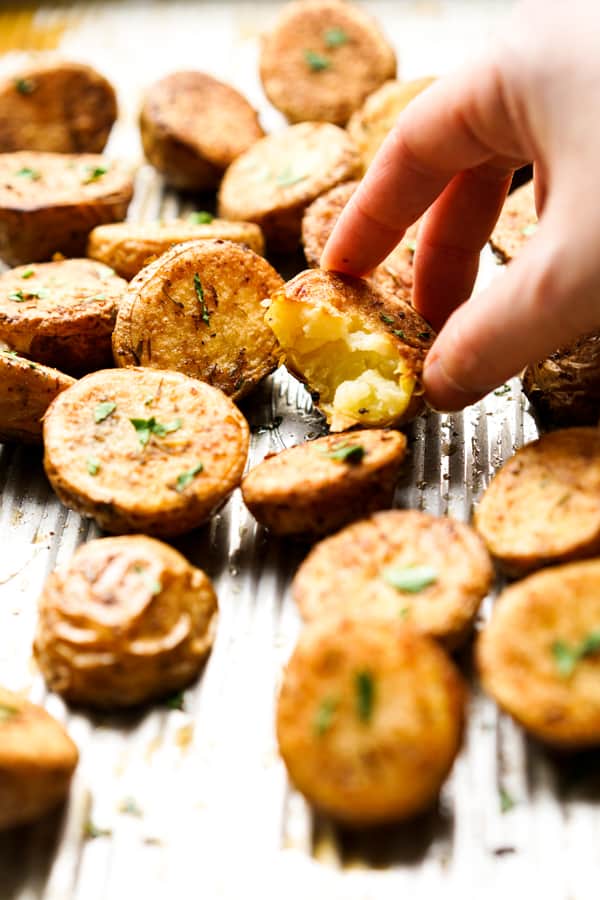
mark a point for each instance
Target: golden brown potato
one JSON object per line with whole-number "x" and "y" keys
{"x": 49, "y": 202}
{"x": 198, "y": 310}
{"x": 274, "y": 181}
{"x": 26, "y": 391}
{"x": 543, "y": 506}
{"x": 194, "y": 126}
{"x": 369, "y": 719}
{"x": 61, "y": 107}
{"x": 360, "y": 350}
{"x": 37, "y": 760}
{"x": 128, "y": 619}
{"x": 128, "y": 247}
{"x": 322, "y": 58}
{"x": 144, "y": 450}
{"x": 539, "y": 657}
{"x": 61, "y": 314}
{"x": 517, "y": 223}
{"x": 317, "y": 487}
{"x": 432, "y": 572}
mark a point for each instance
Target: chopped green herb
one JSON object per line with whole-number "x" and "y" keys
{"x": 17, "y": 296}
{"x": 20, "y": 296}
{"x": 411, "y": 244}
{"x": 149, "y": 401}
{"x": 506, "y": 801}
{"x": 26, "y": 172}
{"x": 365, "y": 695}
{"x": 350, "y": 453}
{"x": 130, "y": 807}
{"x": 146, "y": 427}
{"x": 287, "y": 178}
{"x": 94, "y": 173}
{"x": 530, "y": 229}
{"x": 176, "y": 701}
{"x": 505, "y": 389}
{"x": 200, "y": 294}
{"x": 412, "y": 579}
{"x": 25, "y": 85}
{"x": 387, "y": 320}
{"x": 93, "y": 465}
{"x": 104, "y": 410}
{"x": 10, "y": 352}
{"x": 335, "y": 37}
{"x": 324, "y": 716}
{"x": 28, "y": 273}
{"x": 200, "y": 218}
{"x": 153, "y": 584}
{"x": 91, "y": 831}
{"x": 566, "y": 656}
{"x": 98, "y": 297}
{"x": 400, "y": 334}
{"x": 186, "y": 478}
{"x": 7, "y": 712}
{"x": 424, "y": 335}
{"x": 315, "y": 61}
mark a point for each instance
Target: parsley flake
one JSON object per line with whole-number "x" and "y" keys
{"x": 567, "y": 656}
{"x": 176, "y": 701}
{"x": 17, "y": 296}
{"x": 324, "y": 716}
{"x": 412, "y": 579}
{"x": 7, "y": 712}
{"x": 130, "y": 807}
{"x": 200, "y": 218}
{"x": 103, "y": 411}
{"x": 94, "y": 173}
{"x": 153, "y": 584}
{"x": 349, "y": 453}
{"x": 387, "y": 320}
{"x": 335, "y": 37}
{"x": 93, "y": 465}
{"x": 506, "y": 801}
{"x": 400, "y": 334}
{"x": 25, "y": 86}
{"x": 411, "y": 244}
{"x": 91, "y": 831}
{"x": 146, "y": 427}
{"x": 26, "y": 172}
{"x": 501, "y": 391}
{"x": 200, "y": 295}
{"x": 364, "y": 687}
{"x": 186, "y": 478}
{"x": 424, "y": 335}
{"x": 28, "y": 273}
{"x": 315, "y": 61}
{"x": 530, "y": 229}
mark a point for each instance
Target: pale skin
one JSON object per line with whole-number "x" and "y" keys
{"x": 534, "y": 98}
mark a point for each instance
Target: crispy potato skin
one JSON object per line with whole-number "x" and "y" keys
{"x": 37, "y": 761}
{"x": 194, "y": 126}
{"x": 273, "y": 182}
{"x": 60, "y": 107}
{"x": 26, "y": 391}
{"x": 303, "y": 491}
{"x": 517, "y": 219}
{"x": 350, "y": 70}
{"x": 543, "y": 506}
{"x": 162, "y": 322}
{"x": 386, "y": 768}
{"x": 127, "y": 247}
{"x": 136, "y": 487}
{"x": 126, "y": 621}
{"x": 70, "y": 325}
{"x": 55, "y": 212}
{"x": 517, "y": 664}
{"x": 344, "y": 574}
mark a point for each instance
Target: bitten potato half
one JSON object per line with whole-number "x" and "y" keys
{"x": 127, "y": 620}
{"x": 37, "y": 761}
{"x": 128, "y": 247}
{"x": 369, "y": 719}
{"x": 60, "y": 107}
{"x": 273, "y": 182}
{"x": 194, "y": 126}
{"x": 61, "y": 314}
{"x": 198, "y": 309}
{"x": 49, "y": 202}
{"x": 543, "y": 506}
{"x": 317, "y": 487}
{"x": 517, "y": 223}
{"x": 322, "y": 58}
{"x": 403, "y": 564}
{"x": 144, "y": 450}
{"x": 358, "y": 349}
{"x": 26, "y": 391}
{"x": 539, "y": 657}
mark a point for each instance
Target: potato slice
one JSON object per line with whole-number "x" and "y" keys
{"x": 49, "y": 202}
{"x": 543, "y": 506}
{"x": 517, "y": 223}
{"x": 127, "y": 247}
{"x": 369, "y": 719}
{"x": 61, "y": 314}
{"x": 61, "y": 107}
{"x": 360, "y": 351}
{"x": 37, "y": 761}
{"x": 26, "y": 391}
{"x": 319, "y": 486}
{"x": 144, "y": 450}
{"x": 128, "y": 619}
{"x": 322, "y": 58}
{"x": 274, "y": 181}
{"x": 539, "y": 657}
{"x": 198, "y": 310}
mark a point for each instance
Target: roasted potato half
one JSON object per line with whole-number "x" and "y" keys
{"x": 543, "y": 506}
{"x": 61, "y": 314}
{"x": 358, "y": 349}
{"x": 198, "y": 309}
{"x": 539, "y": 657}
{"x": 61, "y": 107}
{"x": 144, "y": 450}
{"x": 26, "y": 391}
{"x": 37, "y": 761}
{"x": 194, "y": 126}
{"x": 517, "y": 223}
{"x": 274, "y": 181}
{"x": 127, "y": 620}
{"x": 431, "y": 572}
{"x": 49, "y": 202}
{"x": 317, "y": 487}
{"x": 128, "y": 247}
{"x": 322, "y": 58}
{"x": 369, "y": 719}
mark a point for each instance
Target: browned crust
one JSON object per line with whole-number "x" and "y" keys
{"x": 26, "y": 391}
{"x": 516, "y": 224}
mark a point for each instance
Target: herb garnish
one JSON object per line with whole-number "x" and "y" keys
{"x": 26, "y": 172}
{"x": 153, "y": 584}
{"x": 200, "y": 294}
{"x": 365, "y": 695}
{"x": 335, "y": 37}
{"x": 411, "y": 244}
{"x": 530, "y": 229}
{"x": 567, "y": 656}
{"x": 25, "y": 85}
{"x": 506, "y": 801}
{"x": 324, "y": 716}
{"x": 175, "y": 701}
{"x": 315, "y": 61}
{"x": 186, "y": 478}
{"x": 130, "y": 807}
{"x": 202, "y": 217}
{"x": 400, "y": 334}
{"x": 287, "y": 178}
{"x": 17, "y": 296}
{"x": 501, "y": 391}
{"x": 91, "y": 831}
{"x": 103, "y": 411}
{"x": 94, "y": 173}
{"x": 7, "y": 712}
{"x": 387, "y": 320}
{"x": 146, "y": 427}
{"x": 350, "y": 453}
{"x": 412, "y": 579}
{"x": 28, "y": 273}
{"x": 93, "y": 465}
{"x": 424, "y": 335}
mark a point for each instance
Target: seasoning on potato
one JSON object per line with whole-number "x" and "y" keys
{"x": 539, "y": 656}
{"x": 359, "y": 350}
{"x": 37, "y": 761}
{"x": 274, "y": 181}
{"x": 26, "y": 391}
{"x": 194, "y": 126}
{"x": 60, "y": 107}
{"x": 517, "y": 223}
{"x": 431, "y": 572}
{"x": 144, "y": 450}
{"x": 198, "y": 310}
{"x": 369, "y": 719}
{"x": 49, "y": 202}
{"x": 317, "y": 487}
{"x": 322, "y": 58}
{"x": 543, "y": 506}
{"x": 127, "y": 620}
